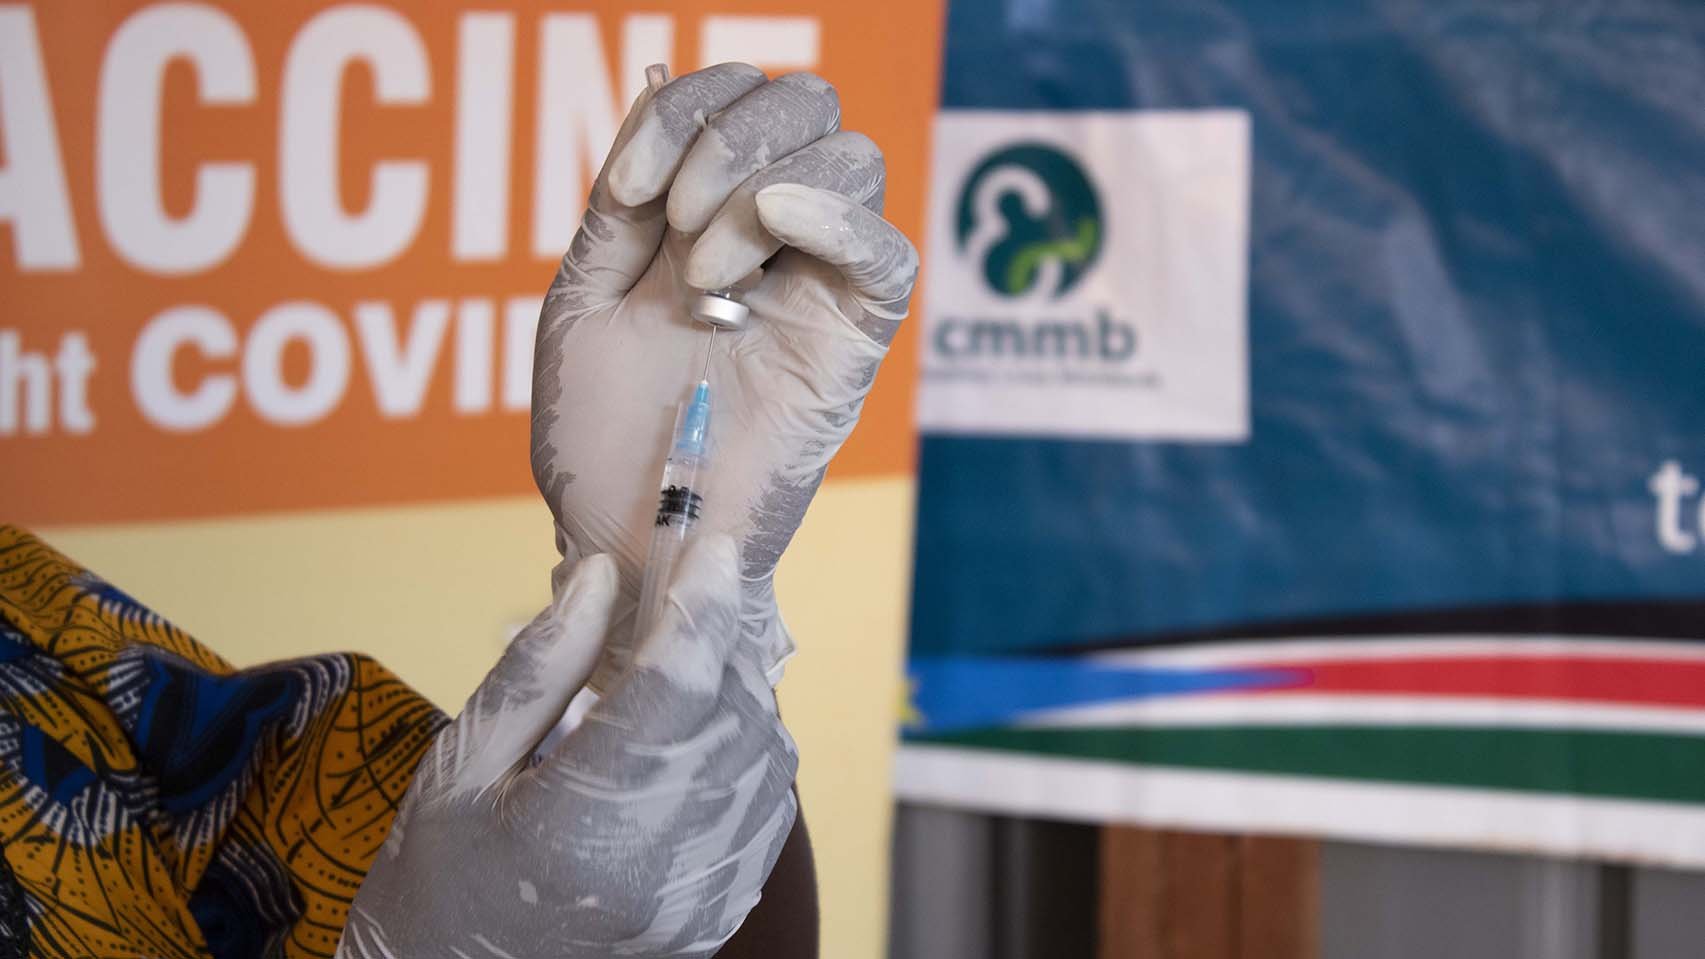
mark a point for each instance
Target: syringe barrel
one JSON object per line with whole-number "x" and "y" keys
{"x": 677, "y": 511}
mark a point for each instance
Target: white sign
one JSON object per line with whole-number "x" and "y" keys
{"x": 1088, "y": 275}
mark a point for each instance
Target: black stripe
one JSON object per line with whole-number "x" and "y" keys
{"x": 1647, "y": 619}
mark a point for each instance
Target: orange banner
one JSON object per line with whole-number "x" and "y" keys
{"x": 264, "y": 257}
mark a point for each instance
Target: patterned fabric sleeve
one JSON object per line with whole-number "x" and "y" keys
{"x": 156, "y": 802}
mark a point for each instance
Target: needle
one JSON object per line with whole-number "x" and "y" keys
{"x": 705, "y": 374}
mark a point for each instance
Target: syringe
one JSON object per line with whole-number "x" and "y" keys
{"x": 684, "y": 470}
{"x": 680, "y": 502}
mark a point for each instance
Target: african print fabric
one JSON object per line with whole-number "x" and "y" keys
{"x": 156, "y": 802}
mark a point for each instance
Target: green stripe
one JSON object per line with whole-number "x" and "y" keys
{"x": 1610, "y": 764}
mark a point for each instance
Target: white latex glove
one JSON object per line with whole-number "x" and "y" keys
{"x": 708, "y": 179}
{"x": 649, "y": 831}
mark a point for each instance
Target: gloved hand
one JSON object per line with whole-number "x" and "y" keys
{"x": 708, "y": 179}
{"x": 647, "y": 832}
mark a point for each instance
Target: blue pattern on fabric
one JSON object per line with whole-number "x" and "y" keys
{"x": 197, "y": 731}
{"x": 231, "y": 907}
{"x": 51, "y": 767}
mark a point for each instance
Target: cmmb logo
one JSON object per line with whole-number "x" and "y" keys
{"x": 1030, "y": 217}
{"x": 1030, "y": 220}
{"x": 1087, "y": 275}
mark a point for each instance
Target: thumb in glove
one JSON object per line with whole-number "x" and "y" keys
{"x": 648, "y": 831}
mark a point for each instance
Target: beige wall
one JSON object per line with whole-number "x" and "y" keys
{"x": 433, "y": 591}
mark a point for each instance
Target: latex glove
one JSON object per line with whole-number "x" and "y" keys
{"x": 708, "y": 179}
{"x": 649, "y": 831}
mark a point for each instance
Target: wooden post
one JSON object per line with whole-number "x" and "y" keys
{"x": 1177, "y": 895}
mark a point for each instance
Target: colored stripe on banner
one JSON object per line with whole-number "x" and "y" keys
{"x": 1651, "y": 687}
{"x": 1624, "y": 765}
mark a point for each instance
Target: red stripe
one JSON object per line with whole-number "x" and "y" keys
{"x": 1652, "y": 682}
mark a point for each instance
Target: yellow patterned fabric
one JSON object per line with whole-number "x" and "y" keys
{"x": 156, "y": 802}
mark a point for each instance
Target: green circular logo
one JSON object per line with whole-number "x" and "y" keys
{"x": 1031, "y": 218}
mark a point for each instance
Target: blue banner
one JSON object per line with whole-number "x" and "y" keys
{"x": 1414, "y": 296}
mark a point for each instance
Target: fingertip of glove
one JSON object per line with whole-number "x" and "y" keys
{"x": 594, "y": 576}
{"x": 696, "y": 194}
{"x": 816, "y": 221}
{"x": 708, "y": 575}
{"x": 714, "y": 556}
{"x": 731, "y": 248}
{"x": 634, "y": 172}
{"x": 703, "y": 272}
{"x": 783, "y": 206}
{"x": 722, "y": 255}
{"x": 621, "y": 185}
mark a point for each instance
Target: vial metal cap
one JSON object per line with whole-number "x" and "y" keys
{"x": 721, "y": 310}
